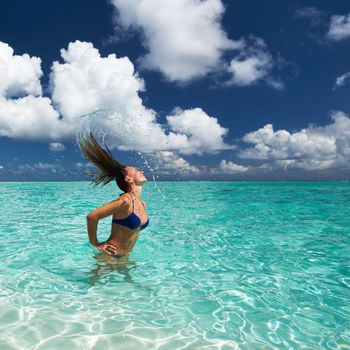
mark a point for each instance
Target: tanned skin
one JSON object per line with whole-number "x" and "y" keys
{"x": 122, "y": 239}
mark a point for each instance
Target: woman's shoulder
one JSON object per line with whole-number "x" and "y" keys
{"x": 124, "y": 198}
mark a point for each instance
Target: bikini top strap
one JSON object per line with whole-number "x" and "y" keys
{"x": 132, "y": 202}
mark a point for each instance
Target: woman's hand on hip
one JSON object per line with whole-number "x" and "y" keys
{"x": 108, "y": 248}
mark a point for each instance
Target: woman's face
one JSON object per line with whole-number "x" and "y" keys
{"x": 136, "y": 175}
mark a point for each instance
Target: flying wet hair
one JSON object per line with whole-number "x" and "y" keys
{"x": 109, "y": 169}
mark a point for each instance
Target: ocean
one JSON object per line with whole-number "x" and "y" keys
{"x": 222, "y": 265}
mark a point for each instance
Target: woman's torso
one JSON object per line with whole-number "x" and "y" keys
{"x": 123, "y": 237}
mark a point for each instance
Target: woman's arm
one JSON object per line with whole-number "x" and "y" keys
{"x": 120, "y": 204}
{"x": 92, "y": 230}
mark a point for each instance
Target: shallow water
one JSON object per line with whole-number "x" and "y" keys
{"x": 222, "y": 265}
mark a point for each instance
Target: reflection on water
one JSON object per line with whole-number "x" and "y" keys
{"x": 106, "y": 264}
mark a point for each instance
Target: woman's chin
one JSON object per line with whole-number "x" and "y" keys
{"x": 143, "y": 181}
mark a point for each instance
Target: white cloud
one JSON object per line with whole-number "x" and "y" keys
{"x": 1, "y": 167}
{"x": 56, "y": 147}
{"x": 24, "y": 113}
{"x": 184, "y": 38}
{"x": 252, "y": 64}
{"x": 313, "y": 148}
{"x": 193, "y": 131}
{"x": 169, "y": 163}
{"x": 341, "y": 80}
{"x": 339, "y": 27}
{"x": 231, "y": 168}
{"x": 86, "y": 82}
{"x": 29, "y": 117}
{"x": 19, "y": 74}
{"x": 186, "y": 132}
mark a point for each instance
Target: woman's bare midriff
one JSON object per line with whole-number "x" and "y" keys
{"x": 123, "y": 239}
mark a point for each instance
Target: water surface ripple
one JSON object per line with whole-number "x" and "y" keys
{"x": 222, "y": 265}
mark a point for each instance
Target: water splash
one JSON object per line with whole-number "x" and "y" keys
{"x": 102, "y": 123}
{"x": 153, "y": 176}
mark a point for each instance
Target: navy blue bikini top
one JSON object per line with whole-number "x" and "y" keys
{"x": 132, "y": 221}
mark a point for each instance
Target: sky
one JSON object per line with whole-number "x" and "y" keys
{"x": 186, "y": 90}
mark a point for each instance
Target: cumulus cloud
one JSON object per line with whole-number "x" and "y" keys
{"x": 169, "y": 163}
{"x": 87, "y": 82}
{"x": 29, "y": 117}
{"x": 24, "y": 113}
{"x": 189, "y": 133}
{"x": 186, "y": 132}
{"x": 313, "y": 148}
{"x": 56, "y": 147}
{"x": 339, "y": 27}
{"x": 88, "y": 85}
{"x": 341, "y": 80}
{"x": 184, "y": 39}
{"x": 228, "y": 167}
{"x": 252, "y": 64}
{"x": 19, "y": 74}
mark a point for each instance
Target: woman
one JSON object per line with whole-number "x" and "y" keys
{"x": 128, "y": 211}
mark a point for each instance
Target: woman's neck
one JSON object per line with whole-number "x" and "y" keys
{"x": 136, "y": 191}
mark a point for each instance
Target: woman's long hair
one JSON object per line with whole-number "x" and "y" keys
{"x": 109, "y": 168}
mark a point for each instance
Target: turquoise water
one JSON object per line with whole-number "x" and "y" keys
{"x": 223, "y": 265}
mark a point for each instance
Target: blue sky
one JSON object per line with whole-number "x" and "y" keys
{"x": 202, "y": 90}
